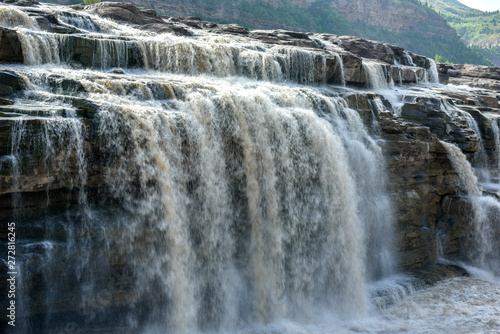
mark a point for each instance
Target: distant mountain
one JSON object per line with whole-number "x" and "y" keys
{"x": 410, "y": 24}
{"x": 479, "y": 29}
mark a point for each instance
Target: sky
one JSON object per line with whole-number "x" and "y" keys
{"x": 486, "y": 5}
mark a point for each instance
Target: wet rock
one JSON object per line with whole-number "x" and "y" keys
{"x": 116, "y": 71}
{"x": 70, "y": 85}
{"x": 490, "y": 84}
{"x": 167, "y": 28}
{"x": 354, "y": 71}
{"x": 45, "y": 23}
{"x": 6, "y": 102}
{"x": 146, "y": 18}
{"x": 79, "y": 52}
{"x": 489, "y": 100}
{"x": 234, "y": 29}
{"x": 471, "y": 75}
{"x": 23, "y": 3}
{"x": 10, "y": 47}
{"x": 421, "y": 175}
{"x": 283, "y": 37}
{"x": 192, "y": 24}
{"x": 193, "y": 18}
{"x": 5, "y": 90}
{"x": 420, "y": 61}
{"x": 126, "y": 12}
{"x": 84, "y": 107}
{"x": 476, "y": 71}
{"x": 455, "y": 224}
{"x": 407, "y": 74}
{"x": 366, "y": 48}
{"x": 429, "y": 112}
{"x": 9, "y": 83}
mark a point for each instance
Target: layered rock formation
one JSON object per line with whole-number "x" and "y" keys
{"x": 52, "y": 170}
{"x": 422, "y": 174}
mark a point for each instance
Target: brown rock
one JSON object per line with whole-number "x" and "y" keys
{"x": 354, "y": 71}
{"x": 23, "y": 3}
{"x": 366, "y": 48}
{"x": 6, "y": 102}
{"x": 10, "y": 47}
{"x": 126, "y": 12}
{"x": 283, "y": 37}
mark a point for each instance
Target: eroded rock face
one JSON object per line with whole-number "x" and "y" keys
{"x": 422, "y": 180}
{"x": 420, "y": 177}
{"x": 430, "y": 112}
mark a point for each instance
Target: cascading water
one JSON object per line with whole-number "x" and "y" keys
{"x": 482, "y": 251}
{"x": 244, "y": 177}
{"x": 212, "y": 184}
{"x": 496, "y": 136}
{"x": 377, "y": 76}
{"x": 12, "y": 18}
{"x": 432, "y": 73}
{"x": 231, "y": 202}
{"x": 409, "y": 59}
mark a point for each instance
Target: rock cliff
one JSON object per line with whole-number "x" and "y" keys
{"x": 422, "y": 175}
{"x": 387, "y": 87}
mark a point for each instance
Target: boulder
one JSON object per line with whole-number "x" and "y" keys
{"x": 6, "y": 102}
{"x": 283, "y": 37}
{"x": 5, "y": 90}
{"x": 51, "y": 23}
{"x": 126, "y": 12}
{"x": 10, "y": 47}
{"x": 233, "y": 29}
{"x": 354, "y": 72}
{"x": 10, "y": 82}
{"x": 23, "y": 3}
{"x": 366, "y": 48}
{"x": 407, "y": 74}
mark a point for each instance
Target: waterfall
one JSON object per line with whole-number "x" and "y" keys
{"x": 240, "y": 202}
{"x": 168, "y": 54}
{"x": 215, "y": 183}
{"x": 409, "y": 59}
{"x": 485, "y": 211}
{"x": 432, "y": 72}
{"x": 340, "y": 66}
{"x": 39, "y": 47}
{"x": 12, "y": 18}
{"x": 82, "y": 22}
{"x": 496, "y": 137}
{"x": 467, "y": 179}
{"x": 376, "y": 75}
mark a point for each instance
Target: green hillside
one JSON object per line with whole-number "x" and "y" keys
{"x": 477, "y": 28}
